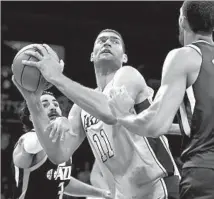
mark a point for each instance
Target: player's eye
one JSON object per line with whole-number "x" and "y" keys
{"x": 45, "y": 105}
{"x": 115, "y": 41}
{"x": 56, "y": 104}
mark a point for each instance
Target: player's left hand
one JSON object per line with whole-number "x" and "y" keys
{"x": 58, "y": 128}
{"x": 49, "y": 64}
{"x": 120, "y": 101}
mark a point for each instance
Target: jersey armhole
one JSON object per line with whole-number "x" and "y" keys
{"x": 36, "y": 166}
{"x": 196, "y": 48}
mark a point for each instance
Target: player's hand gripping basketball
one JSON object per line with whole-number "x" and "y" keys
{"x": 49, "y": 66}
{"x": 58, "y": 128}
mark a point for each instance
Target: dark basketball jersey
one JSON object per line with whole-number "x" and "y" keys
{"x": 196, "y": 113}
{"x": 42, "y": 181}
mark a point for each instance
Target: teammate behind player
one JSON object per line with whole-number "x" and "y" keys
{"x": 141, "y": 167}
{"x": 36, "y": 176}
{"x": 187, "y": 84}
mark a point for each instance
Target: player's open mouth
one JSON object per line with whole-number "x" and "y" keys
{"x": 106, "y": 51}
{"x": 53, "y": 116}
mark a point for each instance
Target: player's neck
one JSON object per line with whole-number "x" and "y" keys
{"x": 103, "y": 78}
{"x": 198, "y": 37}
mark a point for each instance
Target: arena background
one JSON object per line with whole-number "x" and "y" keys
{"x": 150, "y": 30}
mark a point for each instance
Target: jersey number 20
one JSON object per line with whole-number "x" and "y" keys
{"x": 105, "y": 151}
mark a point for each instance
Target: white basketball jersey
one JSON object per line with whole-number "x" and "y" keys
{"x": 130, "y": 158}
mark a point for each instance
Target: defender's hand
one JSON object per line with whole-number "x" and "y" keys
{"x": 58, "y": 128}
{"x": 120, "y": 101}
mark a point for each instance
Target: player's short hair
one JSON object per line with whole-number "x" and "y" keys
{"x": 24, "y": 114}
{"x": 200, "y": 15}
{"x": 117, "y": 33}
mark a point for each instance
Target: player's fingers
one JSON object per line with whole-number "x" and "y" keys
{"x": 112, "y": 92}
{"x": 56, "y": 135}
{"x": 35, "y": 54}
{"x": 49, "y": 49}
{"x": 48, "y": 128}
{"x": 51, "y": 131}
{"x": 32, "y": 63}
{"x": 62, "y": 137}
{"x": 58, "y": 131}
{"x": 111, "y": 104}
{"x": 41, "y": 49}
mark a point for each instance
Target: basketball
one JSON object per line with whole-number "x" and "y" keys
{"x": 28, "y": 77}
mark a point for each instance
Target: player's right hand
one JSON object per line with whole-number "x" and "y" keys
{"x": 120, "y": 101}
{"x": 58, "y": 128}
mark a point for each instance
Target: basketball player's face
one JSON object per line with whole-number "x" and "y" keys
{"x": 181, "y": 30}
{"x": 51, "y": 106}
{"x": 108, "y": 47}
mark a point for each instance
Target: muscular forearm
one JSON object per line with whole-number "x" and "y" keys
{"x": 146, "y": 124}
{"x": 80, "y": 189}
{"x": 40, "y": 122}
{"x": 92, "y": 101}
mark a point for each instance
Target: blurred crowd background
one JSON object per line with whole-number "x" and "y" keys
{"x": 149, "y": 29}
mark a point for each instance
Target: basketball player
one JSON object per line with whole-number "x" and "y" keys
{"x": 141, "y": 167}
{"x": 188, "y": 86}
{"x": 36, "y": 176}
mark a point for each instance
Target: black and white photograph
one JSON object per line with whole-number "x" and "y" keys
{"x": 107, "y": 99}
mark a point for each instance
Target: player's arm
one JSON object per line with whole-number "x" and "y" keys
{"x": 94, "y": 102}
{"x": 27, "y": 146}
{"x": 80, "y": 189}
{"x": 59, "y": 151}
{"x": 157, "y": 119}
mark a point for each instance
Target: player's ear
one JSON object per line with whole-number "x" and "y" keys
{"x": 183, "y": 22}
{"x": 92, "y": 57}
{"x": 30, "y": 118}
{"x": 125, "y": 58}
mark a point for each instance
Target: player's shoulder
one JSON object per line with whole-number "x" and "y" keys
{"x": 31, "y": 135}
{"x": 127, "y": 73}
{"x": 130, "y": 78}
{"x": 185, "y": 51}
{"x": 26, "y": 136}
{"x": 183, "y": 59}
{"x": 128, "y": 70}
